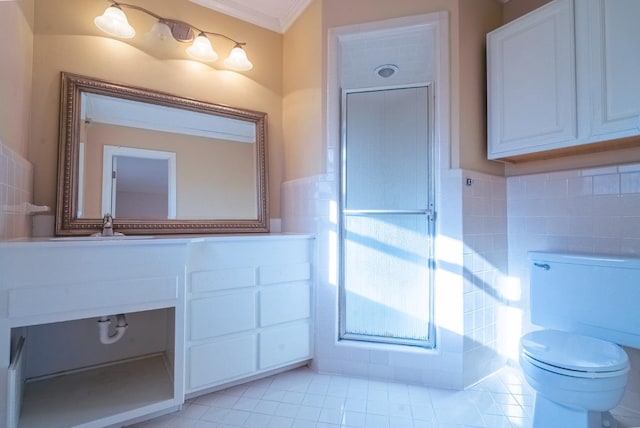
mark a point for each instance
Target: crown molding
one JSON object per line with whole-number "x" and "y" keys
{"x": 259, "y": 12}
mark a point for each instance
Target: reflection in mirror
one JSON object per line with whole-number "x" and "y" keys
{"x": 158, "y": 163}
{"x": 137, "y": 183}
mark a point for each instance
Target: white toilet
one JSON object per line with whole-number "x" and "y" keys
{"x": 588, "y": 304}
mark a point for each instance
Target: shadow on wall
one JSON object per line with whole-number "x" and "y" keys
{"x": 388, "y": 296}
{"x": 310, "y": 206}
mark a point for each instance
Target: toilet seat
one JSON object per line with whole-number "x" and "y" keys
{"x": 574, "y": 355}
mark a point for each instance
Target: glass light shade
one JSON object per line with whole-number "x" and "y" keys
{"x": 202, "y": 50}
{"x": 161, "y": 31}
{"x": 114, "y": 22}
{"x": 238, "y": 60}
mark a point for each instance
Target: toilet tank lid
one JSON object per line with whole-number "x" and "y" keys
{"x": 573, "y": 351}
{"x": 628, "y": 262}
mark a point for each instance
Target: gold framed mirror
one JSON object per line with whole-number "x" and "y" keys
{"x": 158, "y": 163}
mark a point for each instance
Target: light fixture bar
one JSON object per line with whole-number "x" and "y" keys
{"x": 181, "y": 31}
{"x": 173, "y": 21}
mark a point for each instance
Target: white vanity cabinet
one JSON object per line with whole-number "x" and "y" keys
{"x": 201, "y": 312}
{"x": 564, "y": 75}
{"x": 52, "y": 294}
{"x": 248, "y": 307}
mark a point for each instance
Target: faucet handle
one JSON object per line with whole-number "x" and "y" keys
{"x": 107, "y": 225}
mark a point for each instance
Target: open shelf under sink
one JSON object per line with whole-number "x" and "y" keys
{"x": 89, "y": 395}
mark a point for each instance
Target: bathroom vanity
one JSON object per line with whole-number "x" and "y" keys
{"x": 202, "y": 313}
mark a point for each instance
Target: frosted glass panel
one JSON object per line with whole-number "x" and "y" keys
{"x": 386, "y": 281}
{"x": 386, "y": 153}
{"x": 387, "y": 217}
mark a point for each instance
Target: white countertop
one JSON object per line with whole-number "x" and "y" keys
{"x": 133, "y": 240}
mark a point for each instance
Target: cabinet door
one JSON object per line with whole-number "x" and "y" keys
{"x": 284, "y": 303}
{"x": 613, "y": 37}
{"x": 214, "y": 363}
{"x": 532, "y": 82}
{"x": 222, "y": 314}
{"x": 284, "y": 345}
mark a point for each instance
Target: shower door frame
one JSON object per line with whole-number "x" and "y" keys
{"x": 430, "y": 214}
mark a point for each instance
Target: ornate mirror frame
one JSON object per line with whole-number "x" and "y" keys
{"x": 69, "y": 224}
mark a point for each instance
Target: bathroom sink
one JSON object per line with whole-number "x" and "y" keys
{"x": 99, "y": 238}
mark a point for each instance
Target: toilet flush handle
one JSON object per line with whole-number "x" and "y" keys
{"x": 544, "y": 266}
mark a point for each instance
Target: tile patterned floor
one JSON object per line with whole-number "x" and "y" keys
{"x": 304, "y": 399}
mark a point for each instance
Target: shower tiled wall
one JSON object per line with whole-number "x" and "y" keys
{"x": 308, "y": 206}
{"x": 485, "y": 265}
{"x": 589, "y": 210}
{"x": 16, "y": 190}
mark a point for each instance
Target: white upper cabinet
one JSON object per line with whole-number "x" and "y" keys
{"x": 531, "y": 82}
{"x": 613, "y": 44}
{"x": 564, "y": 75}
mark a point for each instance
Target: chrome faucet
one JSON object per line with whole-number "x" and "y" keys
{"x": 107, "y": 227}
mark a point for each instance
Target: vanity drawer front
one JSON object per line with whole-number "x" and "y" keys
{"x": 223, "y": 360}
{"x": 241, "y": 253}
{"x": 54, "y": 299}
{"x": 222, "y": 279}
{"x": 223, "y": 314}
{"x": 286, "y": 302}
{"x": 284, "y": 345}
{"x": 272, "y": 274}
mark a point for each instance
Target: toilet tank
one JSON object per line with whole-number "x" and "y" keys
{"x": 597, "y": 296}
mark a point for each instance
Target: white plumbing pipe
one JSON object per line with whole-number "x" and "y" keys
{"x": 120, "y": 328}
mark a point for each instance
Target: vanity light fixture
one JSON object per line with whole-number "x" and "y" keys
{"x": 202, "y": 50}
{"x": 114, "y": 22}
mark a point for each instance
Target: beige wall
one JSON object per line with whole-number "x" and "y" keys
{"x": 303, "y": 72}
{"x": 516, "y": 8}
{"x": 477, "y": 18}
{"x": 67, "y": 40}
{"x": 16, "y": 49}
{"x": 287, "y": 81}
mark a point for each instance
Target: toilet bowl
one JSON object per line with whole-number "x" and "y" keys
{"x": 586, "y": 304}
{"x": 573, "y": 375}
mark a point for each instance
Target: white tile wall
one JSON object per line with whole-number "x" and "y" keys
{"x": 594, "y": 210}
{"x": 590, "y": 210}
{"x": 306, "y": 203}
{"x": 308, "y": 207}
{"x": 485, "y": 266}
{"x": 16, "y": 189}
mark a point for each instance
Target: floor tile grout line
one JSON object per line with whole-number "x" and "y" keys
{"x": 398, "y": 402}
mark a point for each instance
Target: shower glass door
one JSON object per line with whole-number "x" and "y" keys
{"x": 387, "y": 217}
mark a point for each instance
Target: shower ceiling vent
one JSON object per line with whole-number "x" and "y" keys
{"x": 386, "y": 70}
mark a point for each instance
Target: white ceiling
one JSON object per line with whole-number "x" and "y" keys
{"x": 275, "y": 15}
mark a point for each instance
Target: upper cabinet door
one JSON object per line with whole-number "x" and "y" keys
{"x": 532, "y": 82}
{"x": 612, "y": 35}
